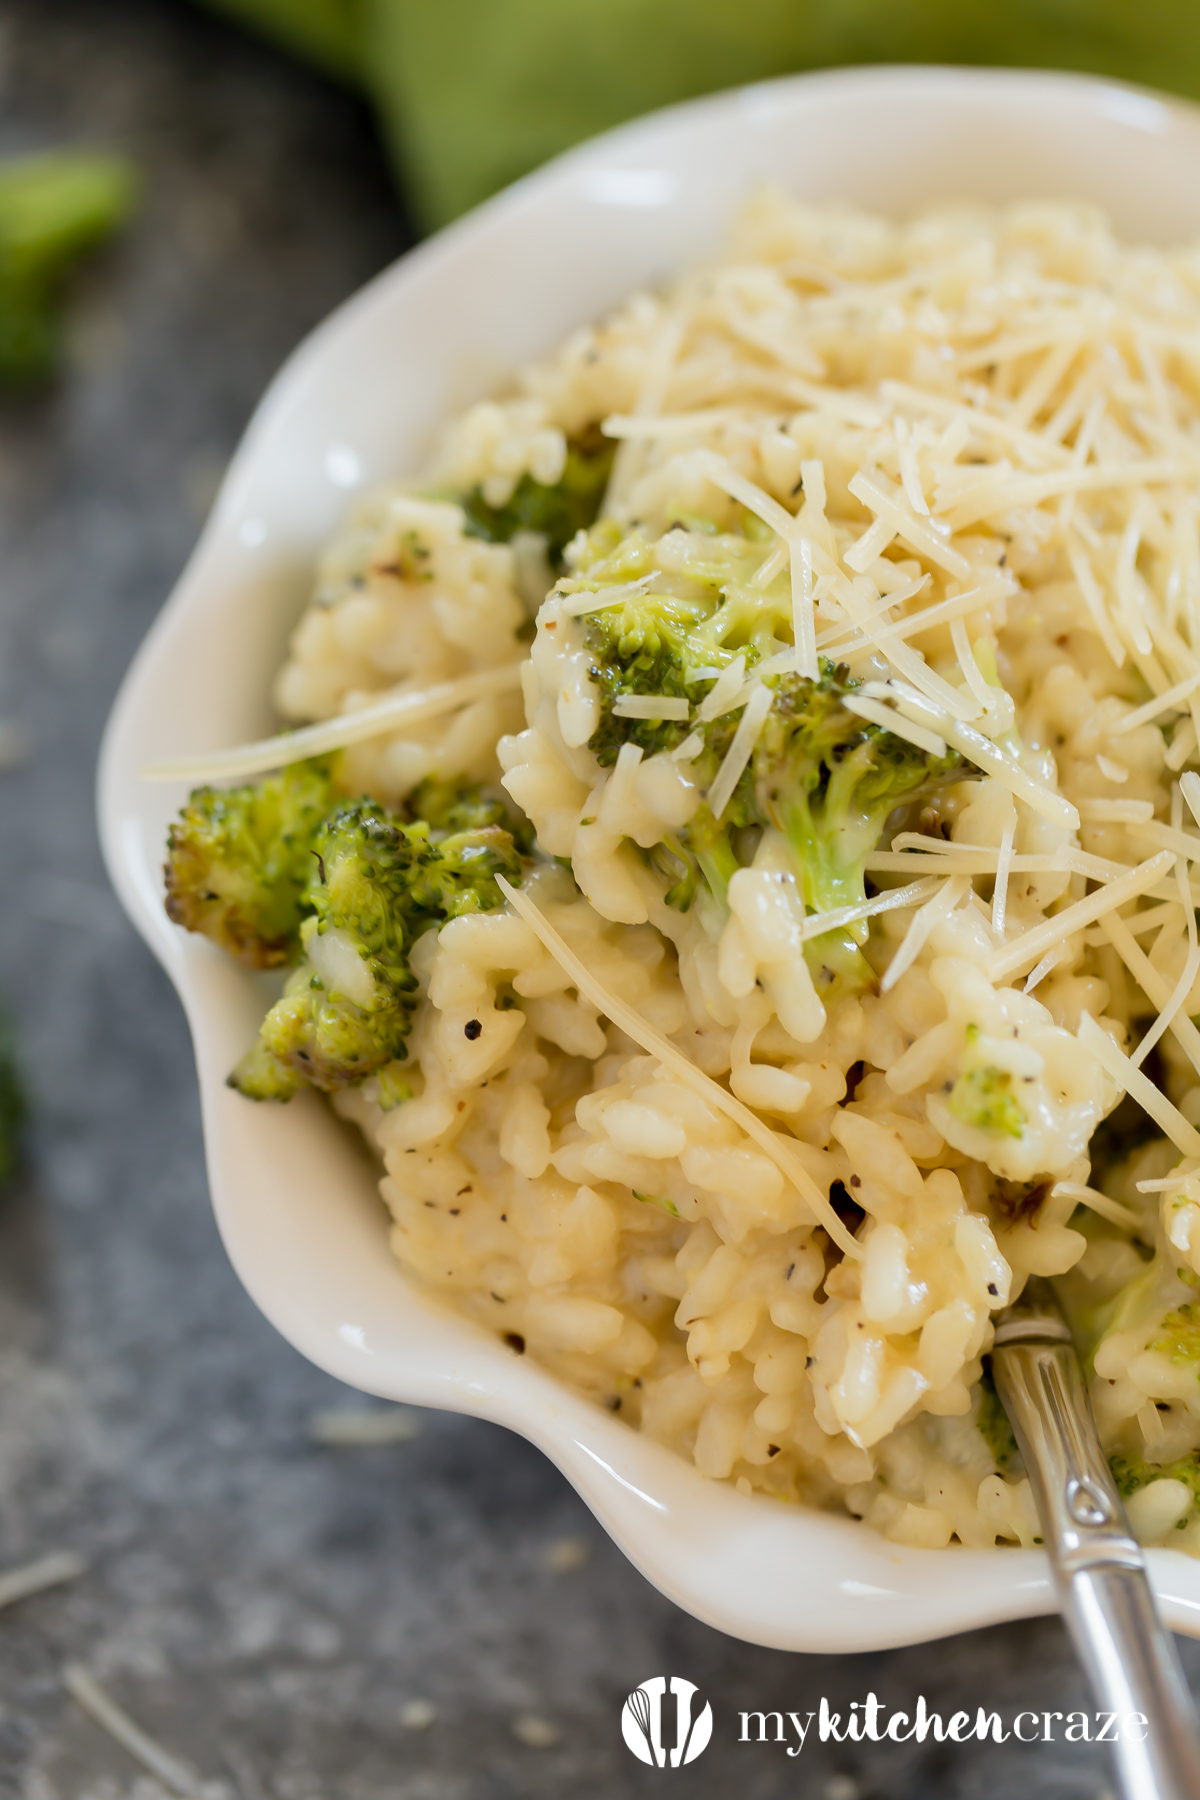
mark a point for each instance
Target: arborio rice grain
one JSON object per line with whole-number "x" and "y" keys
{"x": 962, "y": 457}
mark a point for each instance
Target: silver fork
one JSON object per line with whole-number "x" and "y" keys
{"x": 1104, "y": 1590}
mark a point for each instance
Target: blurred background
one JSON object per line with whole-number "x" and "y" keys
{"x": 433, "y": 1617}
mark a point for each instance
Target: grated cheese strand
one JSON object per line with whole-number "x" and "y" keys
{"x": 1004, "y": 860}
{"x": 971, "y": 859}
{"x": 171, "y": 1771}
{"x": 804, "y": 629}
{"x": 722, "y": 696}
{"x": 909, "y": 663}
{"x": 1170, "y": 1011}
{"x": 384, "y": 1425}
{"x": 1161, "y": 703}
{"x": 1112, "y": 1210}
{"x": 654, "y": 1043}
{"x": 576, "y": 604}
{"x": 739, "y": 487}
{"x": 920, "y": 534}
{"x": 1183, "y": 843}
{"x": 1165, "y": 1183}
{"x": 1001, "y": 494}
{"x": 651, "y": 706}
{"x": 986, "y": 755}
{"x": 1189, "y": 787}
{"x": 896, "y": 722}
{"x": 972, "y": 673}
{"x": 1117, "y": 812}
{"x": 1152, "y": 984}
{"x": 627, "y": 425}
{"x": 923, "y": 922}
{"x": 1139, "y": 1087}
{"x": 690, "y": 748}
{"x": 740, "y": 751}
{"x": 1050, "y": 961}
{"x": 1065, "y": 924}
{"x": 819, "y": 924}
{"x": 1068, "y": 860}
{"x": 35, "y": 1577}
{"x": 328, "y": 735}
{"x": 1093, "y": 598}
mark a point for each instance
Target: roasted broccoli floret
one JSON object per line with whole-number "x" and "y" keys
{"x": 656, "y": 644}
{"x": 462, "y": 805}
{"x": 282, "y": 870}
{"x": 1179, "y": 1336}
{"x": 823, "y": 776}
{"x": 556, "y": 511}
{"x": 376, "y": 885}
{"x": 239, "y": 860}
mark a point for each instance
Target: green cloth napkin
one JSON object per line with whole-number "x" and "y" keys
{"x": 473, "y": 93}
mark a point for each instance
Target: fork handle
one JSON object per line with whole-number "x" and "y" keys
{"x": 1107, "y": 1604}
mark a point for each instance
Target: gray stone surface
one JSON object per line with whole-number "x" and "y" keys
{"x": 264, "y": 1606}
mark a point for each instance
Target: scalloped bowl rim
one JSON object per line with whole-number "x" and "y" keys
{"x": 294, "y": 1194}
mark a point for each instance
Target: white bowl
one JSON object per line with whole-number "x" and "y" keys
{"x": 295, "y": 1197}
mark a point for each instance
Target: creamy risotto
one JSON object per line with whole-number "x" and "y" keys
{"x": 825, "y": 636}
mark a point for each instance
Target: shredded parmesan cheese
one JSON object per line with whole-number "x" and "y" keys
{"x": 1084, "y": 912}
{"x": 817, "y": 924}
{"x": 1119, "y": 935}
{"x": 392, "y": 714}
{"x": 896, "y": 722}
{"x": 170, "y": 1770}
{"x": 385, "y": 1425}
{"x": 1189, "y": 787}
{"x": 1139, "y": 1087}
{"x": 1040, "y": 971}
{"x": 576, "y": 605}
{"x": 654, "y": 1044}
{"x": 922, "y": 924}
{"x": 1004, "y": 858}
{"x": 803, "y": 623}
{"x": 651, "y": 706}
{"x": 1112, "y": 1210}
{"x": 722, "y": 697}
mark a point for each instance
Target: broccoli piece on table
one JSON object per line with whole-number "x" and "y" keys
{"x": 823, "y": 776}
{"x": 52, "y": 208}
{"x": 376, "y": 885}
{"x": 983, "y": 1095}
{"x": 556, "y": 510}
{"x": 239, "y": 861}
